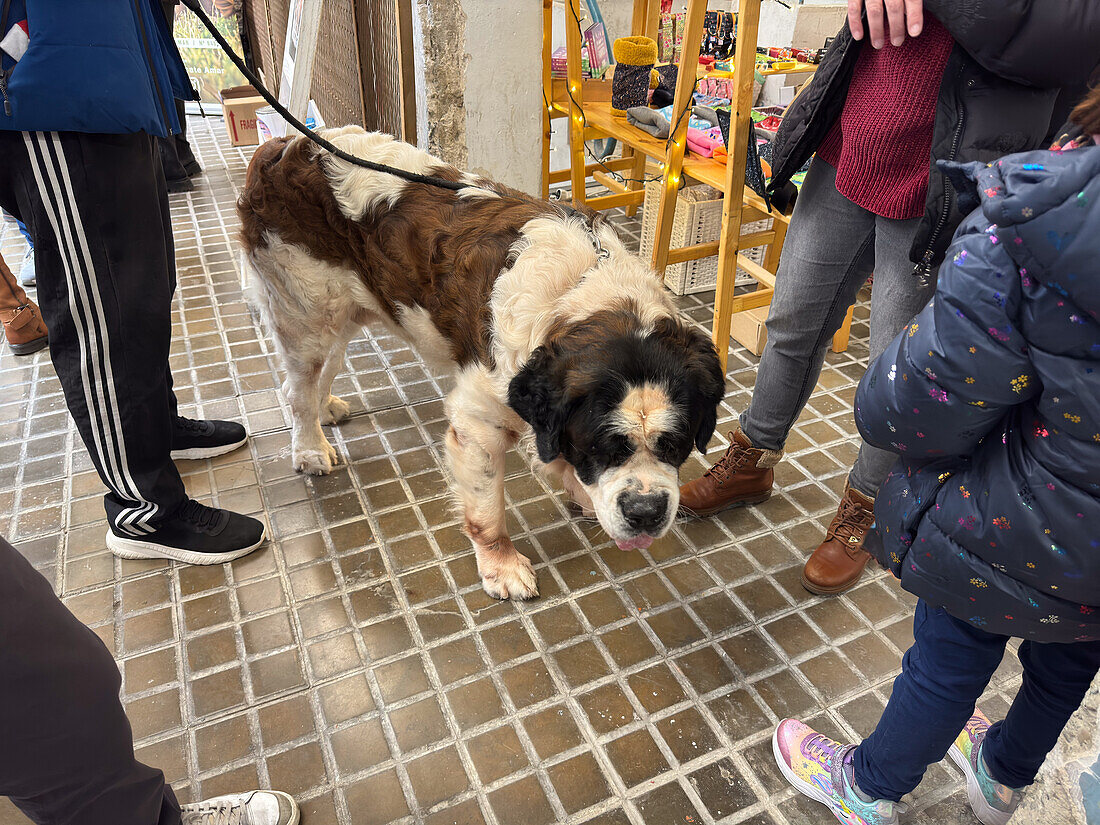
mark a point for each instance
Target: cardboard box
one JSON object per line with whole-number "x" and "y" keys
{"x": 748, "y": 329}
{"x": 239, "y": 105}
{"x": 813, "y": 24}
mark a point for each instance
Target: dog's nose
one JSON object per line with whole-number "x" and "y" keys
{"x": 644, "y": 512}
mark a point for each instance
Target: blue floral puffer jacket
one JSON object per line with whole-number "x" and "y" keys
{"x": 992, "y": 399}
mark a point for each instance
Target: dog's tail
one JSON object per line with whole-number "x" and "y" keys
{"x": 252, "y": 287}
{"x": 248, "y": 276}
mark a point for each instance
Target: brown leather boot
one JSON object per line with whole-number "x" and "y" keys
{"x": 23, "y": 325}
{"x": 838, "y": 561}
{"x": 742, "y": 476}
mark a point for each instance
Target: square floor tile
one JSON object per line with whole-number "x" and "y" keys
{"x": 636, "y": 758}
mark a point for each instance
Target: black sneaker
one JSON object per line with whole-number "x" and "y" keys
{"x": 192, "y": 168}
{"x": 205, "y": 439}
{"x": 194, "y": 534}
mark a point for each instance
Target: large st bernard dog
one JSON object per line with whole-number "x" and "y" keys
{"x": 545, "y": 317}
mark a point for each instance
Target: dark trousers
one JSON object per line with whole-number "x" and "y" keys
{"x": 943, "y": 674}
{"x": 67, "y": 752}
{"x": 97, "y": 208}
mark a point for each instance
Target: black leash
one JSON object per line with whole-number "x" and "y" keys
{"x": 454, "y": 186}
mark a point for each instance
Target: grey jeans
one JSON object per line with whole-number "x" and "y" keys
{"x": 831, "y": 248}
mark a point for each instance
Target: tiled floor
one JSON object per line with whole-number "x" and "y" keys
{"x": 355, "y": 661}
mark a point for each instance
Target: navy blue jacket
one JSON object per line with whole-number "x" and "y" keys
{"x": 108, "y": 66}
{"x": 992, "y": 398}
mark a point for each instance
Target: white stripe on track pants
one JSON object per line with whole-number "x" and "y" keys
{"x": 97, "y": 209}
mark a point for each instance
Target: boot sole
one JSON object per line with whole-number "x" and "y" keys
{"x": 29, "y": 347}
{"x": 820, "y": 590}
{"x": 741, "y": 502}
{"x": 196, "y": 453}
{"x": 127, "y": 548}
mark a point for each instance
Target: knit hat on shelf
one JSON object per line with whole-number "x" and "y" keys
{"x": 632, "y": 80}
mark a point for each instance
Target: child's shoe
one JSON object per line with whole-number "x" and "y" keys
{"x": 992, "y": 802}
{"x": 822, "y": 769}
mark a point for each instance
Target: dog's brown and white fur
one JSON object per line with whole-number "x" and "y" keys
{"x": 508, "y": 290}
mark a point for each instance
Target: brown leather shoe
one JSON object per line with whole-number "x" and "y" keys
{"x": 23, "y": 325}
{"x": 742, "y": 476}
{"x": 838, "y": 561}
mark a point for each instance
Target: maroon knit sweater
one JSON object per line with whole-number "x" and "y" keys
{"x": 881, "y": 144}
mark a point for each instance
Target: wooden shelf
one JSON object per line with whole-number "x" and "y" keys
{"x": 591, "y": 89}
{"x": 597, "y": 116}
{"x": 588, "y": 114}
{"x": 799, "y": 68}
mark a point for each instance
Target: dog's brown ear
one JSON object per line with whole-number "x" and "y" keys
{"x": 537, "y": 394}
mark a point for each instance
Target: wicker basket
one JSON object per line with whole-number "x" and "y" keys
{"x": 698, "y": 220}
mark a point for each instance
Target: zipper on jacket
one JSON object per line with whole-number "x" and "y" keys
{"x": 4, "y": 92}
{"x": 5, "y": 74}
{"x": 152, "y": 68}
{"x": 923, "y": 270}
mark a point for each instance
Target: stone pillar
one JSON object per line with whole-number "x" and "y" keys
{"x": 479, "y": 86}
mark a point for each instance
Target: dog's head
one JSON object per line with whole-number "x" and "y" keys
{"x": 624, "y": 404}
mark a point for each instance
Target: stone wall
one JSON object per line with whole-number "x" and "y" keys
{"x": 479, "y": 86}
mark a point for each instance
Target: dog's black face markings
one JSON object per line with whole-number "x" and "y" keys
{"x": 537, "y": 394}
{"x": 569, "y": 391}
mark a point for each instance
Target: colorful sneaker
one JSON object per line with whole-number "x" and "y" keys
{"x": 822, "y": 769}
{"x": 992, "y": 802}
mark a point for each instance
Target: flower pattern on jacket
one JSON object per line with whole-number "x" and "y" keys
{"x": 996, "y": 386}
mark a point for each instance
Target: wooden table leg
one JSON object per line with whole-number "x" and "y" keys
{"x": 840, "y": 338}
{"x": 674, "y": 156}
{"x": 547, "y": 32}
{"x": 748, "y": 22}
{"x": 577, "y": 174}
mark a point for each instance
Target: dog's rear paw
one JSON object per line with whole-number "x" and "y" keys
{"x": 334, "y": 410}
{"x": 317, "y": 462}
{"x": 509, "y": 576}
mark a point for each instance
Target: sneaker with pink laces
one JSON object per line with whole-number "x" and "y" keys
{"x": 822, "y": 769}
{"x": 992, "y": 802}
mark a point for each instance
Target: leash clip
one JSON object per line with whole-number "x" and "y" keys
{"x": 601, "y": 253}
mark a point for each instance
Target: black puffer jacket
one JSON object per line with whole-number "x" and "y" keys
{"x": 997, "y": 95}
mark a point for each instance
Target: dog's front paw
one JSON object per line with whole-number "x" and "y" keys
{"x": 317, "y": 461}
{"x": 507, "y": 575}
{"x": 334, "y": 410}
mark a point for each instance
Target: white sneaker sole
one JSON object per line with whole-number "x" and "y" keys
{"x": 128, "y": 548}
{"x": 986, "y": 813}
{"x": 295, "y": 815}
{"x": 198, "y": 453}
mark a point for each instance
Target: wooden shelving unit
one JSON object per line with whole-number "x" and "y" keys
{"x": 586, "y": 104}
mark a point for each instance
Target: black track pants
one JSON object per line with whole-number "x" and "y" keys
{"x": 97, "y": 209}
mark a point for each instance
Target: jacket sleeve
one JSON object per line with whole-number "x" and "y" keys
{"x": 1044, "y": 43}
{"x": 948, "y": 378}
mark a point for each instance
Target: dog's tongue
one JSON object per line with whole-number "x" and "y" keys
{"x": 636, "y": 543}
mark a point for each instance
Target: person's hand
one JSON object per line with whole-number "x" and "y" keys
{"x": 904, "y": 16}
